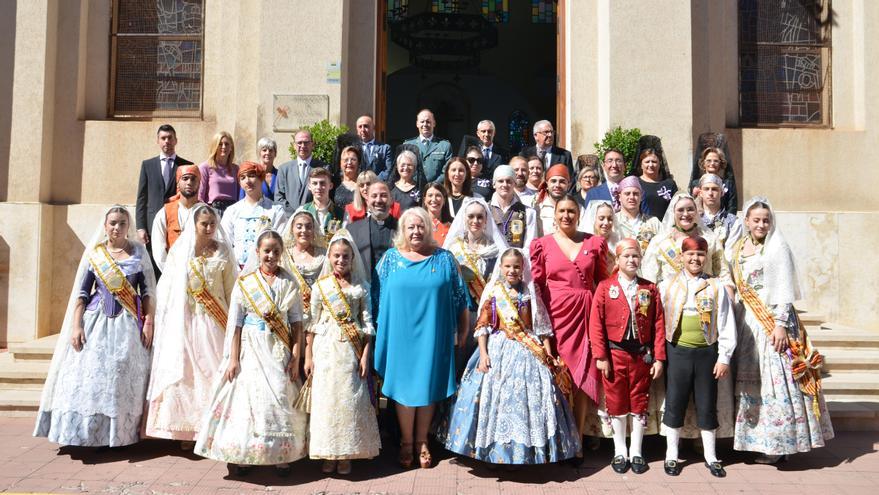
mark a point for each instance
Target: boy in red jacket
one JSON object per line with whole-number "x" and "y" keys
{"x": 627, "y": 335}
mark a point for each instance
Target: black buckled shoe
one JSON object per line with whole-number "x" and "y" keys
{"x": 716, "y": 469}
{"x": 672, "y": 468}
{"x": 620, "y": 464}
{"x": 638, "y": 465}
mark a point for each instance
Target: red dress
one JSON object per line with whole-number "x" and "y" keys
{"x": 566, "y": 288}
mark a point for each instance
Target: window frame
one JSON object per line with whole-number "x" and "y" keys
{"x": 826, "y": 92}
{"x": 114, "y": 37}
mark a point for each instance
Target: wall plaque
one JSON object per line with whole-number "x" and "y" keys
{"x": 292, "y": 112}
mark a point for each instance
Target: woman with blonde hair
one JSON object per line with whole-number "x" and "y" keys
{"x": 423, "y": 301}
{"x": 219, "y": 174}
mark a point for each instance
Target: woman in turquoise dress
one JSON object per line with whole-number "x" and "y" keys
{"x": 423, "y": 314}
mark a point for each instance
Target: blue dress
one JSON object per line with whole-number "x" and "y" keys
{"x": 419, "y": 305}
{"x": 515, "y": 413}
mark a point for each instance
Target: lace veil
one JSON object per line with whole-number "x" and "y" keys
{"x": 539, "y": 316}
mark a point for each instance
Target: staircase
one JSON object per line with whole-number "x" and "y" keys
{"x": 851, "y": 374}
{"x": 23, "y": 371}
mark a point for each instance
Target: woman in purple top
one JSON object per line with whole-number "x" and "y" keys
{"x": 219, "y": 182}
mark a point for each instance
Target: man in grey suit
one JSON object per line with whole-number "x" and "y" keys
{"x": 376, "y": 156}
{"x": 292, "y": 182}
{"x": 434, "y": 151}
{"x": 157, "y": 183}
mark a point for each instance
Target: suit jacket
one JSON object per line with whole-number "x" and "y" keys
{"x": 499, "y": 156}
{"x": 152, "y": 192}
{"x": 598, "y": 193}
{"x": 380, "y": 160}
{"x": 559, "y": 155}
{"x": 291, "y": 191}
{"x": 609, "y": 318}
{"x": 434, "y": 156}
{"x": 359, "y": 231}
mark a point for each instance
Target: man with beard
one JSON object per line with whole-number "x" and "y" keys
{"x": 520, "y": 168}
{"x": 614, "y": 166}
{"x": 171, "y": 218}
{"x": 375, "y": 234}
{"x": 517, "y": 222}
{"x": 554, "y": 188}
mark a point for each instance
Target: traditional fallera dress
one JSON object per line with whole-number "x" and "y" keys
{"x": 243, "y": 222}
{"x": 343, "y": 421}
{"x": 420, "y": 302}
{"x": 567, "y": 287}
{"x": 251, "y": 420}
{"x": 517, "y": 412}
{"x": 191, "y": 319}
{"x": 95, "y": 397}
{"x": 780, "y": 408}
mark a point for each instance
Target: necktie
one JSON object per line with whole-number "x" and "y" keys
{"x": 542, "y": 155}
{"x": 166, "y": 170}
{"x": 486, "y": 152}
{"x": 368, "y": 150}
{"x": 303, "y": 179}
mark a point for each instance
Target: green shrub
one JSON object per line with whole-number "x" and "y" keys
{"x": 324, "y": 134}
{"x": 625, "y": 140}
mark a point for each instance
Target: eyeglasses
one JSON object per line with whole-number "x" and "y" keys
{"x": 545, "y": 133}
{"x": 589, "y": 177}
{"x": 614, "y": 160}
{"x": 473, "y": 159}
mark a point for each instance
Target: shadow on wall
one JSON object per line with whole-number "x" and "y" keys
{"x": 7, "y": 60}
{"x": 67, "y": 251}
{"x": 4, "y": 291}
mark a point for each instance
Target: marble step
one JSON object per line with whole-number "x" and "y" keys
{"x": 35, "y": 350}
{"x": 852, "y": 383}
{"x": 850, "y": 358}
{"x": 853, "y": 415}
{"x": 17, "y": 400}
{"x": 831, "y": 335}
{"x": 22, "y": 374}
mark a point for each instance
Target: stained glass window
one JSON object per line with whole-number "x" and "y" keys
{"x": 496, "y": 11}
{"x": 543, "y": 11}
{"x": 157, "y": 49}
{"x": 397, "y": 9}
{"x": 445, "y": 6}
{"x": 784, "y": 62}
{"x": 520, "y": 127}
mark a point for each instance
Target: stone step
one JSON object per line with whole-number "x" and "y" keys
{"x": 850, "y": 358}
{"x": 853, "y": 383}
{"x": 834, "y": 335}
{"x": 35, "y": 350}
{"x": 853, "y": 415}
{"x": 20, "y": 399}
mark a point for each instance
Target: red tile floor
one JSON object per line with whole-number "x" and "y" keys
{"x": 849, "y": 464}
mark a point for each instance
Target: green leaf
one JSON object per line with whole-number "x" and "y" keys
{"x": 324, "y": 135}
{"x": 625, "y": 140}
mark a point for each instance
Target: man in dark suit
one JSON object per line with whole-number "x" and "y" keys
{"x": 546, "y": 150}
{"x": 157, "y": 183}
{"x": 292, "y": 181}
{"x": 375, "y": 234}
{"x": 376, "y": 156}
{"x": 435, "y": 152}
{"x": 494, "y": 154}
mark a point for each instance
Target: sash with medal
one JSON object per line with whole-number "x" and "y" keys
{"x": 514, "y": 328}
{"x": 335, "y": 302}
{"x": 106, "y": 268}
{"x": 805, "y": 361}
{"x": 198, "y": 289}
{"x": 476, "y": 284}
{"x": 671, "y": 253}
{"x": 513, "y": 226}
{"x": 257, "y": 296}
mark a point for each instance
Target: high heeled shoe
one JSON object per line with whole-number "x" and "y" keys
{"x": 406, "y": 457}
{"x": 424, "y": 457}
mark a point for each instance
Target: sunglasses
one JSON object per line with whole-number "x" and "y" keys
{"x": 473, "y": 159}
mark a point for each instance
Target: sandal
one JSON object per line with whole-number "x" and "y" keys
{"x": 406, "y": 456}
{"x": 343, "y": 467}
{"x": 329, "y": 467}
{"x": 424, "y": 457}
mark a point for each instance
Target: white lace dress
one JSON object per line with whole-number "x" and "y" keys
{"x": 99, "y": 394}
{"x": 343, "y": 421}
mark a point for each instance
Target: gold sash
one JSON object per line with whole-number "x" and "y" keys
{"x": 805, "y": 360}
{"x": 304, "y": 288}
{"x": 514, "y": 329}
{"x": 106, "y": 268}
{"x": 198, "y": 289}
{"x": 336, "y": 303}
{"x": 477, "y": 283}
{"x": 257, "y": 296}
{"x": 671, "y": 254}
